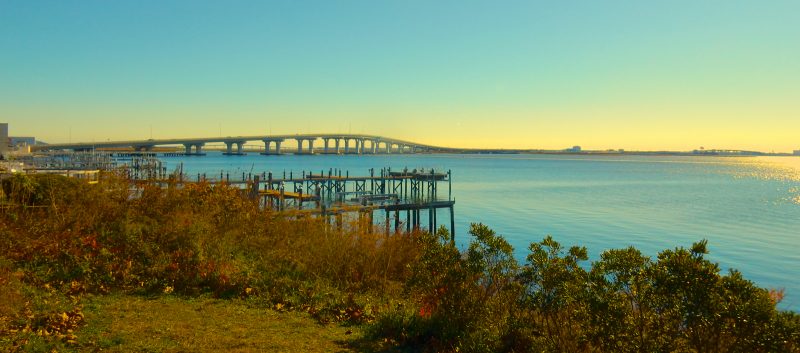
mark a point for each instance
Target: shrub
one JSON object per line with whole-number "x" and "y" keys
{"x": 481, "y": 300}
{"x": 461, "y": 297}
{"x": 61, "y": 238}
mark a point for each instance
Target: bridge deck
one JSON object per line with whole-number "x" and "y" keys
{"x": 151, "y": 143}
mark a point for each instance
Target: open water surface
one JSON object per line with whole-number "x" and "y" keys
{"x": 747, "y": 207}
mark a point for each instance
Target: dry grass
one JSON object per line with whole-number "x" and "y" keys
{"x": 121, "y": 323}
{"x": 63, "y": 243}
{"x": 67, "y": 240}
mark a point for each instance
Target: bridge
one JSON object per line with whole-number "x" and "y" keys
{"x": 331, "y": 144}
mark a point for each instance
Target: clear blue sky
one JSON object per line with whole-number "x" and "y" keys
{"x": 532, "y": 74}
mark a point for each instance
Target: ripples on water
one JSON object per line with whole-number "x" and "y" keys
{"x": 772, "y": 169}
{"x": 768, "y": 168}
{"x": 747, "y": 207}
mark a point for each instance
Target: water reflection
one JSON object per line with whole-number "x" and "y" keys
{"x": 768, "y": 168}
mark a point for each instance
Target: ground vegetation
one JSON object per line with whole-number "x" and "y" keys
{"x": 82, "y": 265}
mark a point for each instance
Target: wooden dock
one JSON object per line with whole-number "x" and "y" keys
{"x": 406, "y": 198}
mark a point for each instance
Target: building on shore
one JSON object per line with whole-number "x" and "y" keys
{"x": 4, "y": 141}
{"x": 797, "y": 152}
{"x": 21, "y": 141}
{"x": 21, "y": 146}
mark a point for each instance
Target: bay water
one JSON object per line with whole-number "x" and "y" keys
{"x": 748, "y": 208}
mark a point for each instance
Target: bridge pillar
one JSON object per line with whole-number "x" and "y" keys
{"x": 374, "y": 146}
{"x": 336, "y": 140}
{"x": 299, "y": 146}
{"x": 268, "y": 146}
{"x": 310, "y": 146}
{"x": 346, "y": 145}
{"x": 359, "y": 146}
{"x": 239, "y": 148}
{"x": 325, "y": 140}
{"x": 388, "y": 146}
{"x": 198, "y": 148}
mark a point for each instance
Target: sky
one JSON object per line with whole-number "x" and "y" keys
{"x": 638, "y": 75}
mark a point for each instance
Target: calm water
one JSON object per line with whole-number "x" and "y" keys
{"x": 748, "y": 208}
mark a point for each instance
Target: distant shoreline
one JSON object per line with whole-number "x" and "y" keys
{"x": 637, "y": 153}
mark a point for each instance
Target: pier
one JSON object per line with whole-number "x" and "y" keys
{"x": 405, "y": 198}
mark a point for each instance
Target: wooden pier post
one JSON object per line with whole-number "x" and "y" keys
{"x": 430, "y": 221}
{"x": 452, "y": 226}
{"x": 282, "y": 199}
{"x": 387, "y": 221}
{"x": 434, "y": 217}
{"x": 254, "y": 188}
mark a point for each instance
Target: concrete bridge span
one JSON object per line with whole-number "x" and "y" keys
{"x": 330, "y": 144}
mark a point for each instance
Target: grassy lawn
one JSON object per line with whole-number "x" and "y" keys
{"x": 121, "y": 323}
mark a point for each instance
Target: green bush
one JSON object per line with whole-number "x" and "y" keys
{"x": 481, "y": 300}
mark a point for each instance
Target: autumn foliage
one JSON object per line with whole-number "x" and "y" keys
{"x": 62, "y": 239}
{"x": 63, "y": 236}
